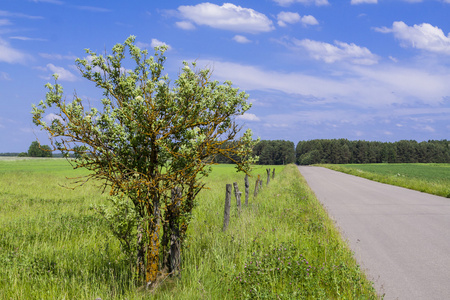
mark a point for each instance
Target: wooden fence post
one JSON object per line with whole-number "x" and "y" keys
{"x": 246, "y": 189}
{"x": 273, "y": 173}
{"x": 268, "y": 176}
{"x": 237, "y": 194}
{"x": 256, "y": 187}
{"x": 260, "y": 181}
{"x": 226, "y": 215}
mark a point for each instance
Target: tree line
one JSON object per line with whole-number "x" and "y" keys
{"x": 276, "y": 152}
{"x": 332, "y": 151}
{"x": 35, "y": 150}
{"x": 342, "y": 151}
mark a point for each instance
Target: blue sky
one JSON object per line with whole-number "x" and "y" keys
{"x": 375, "y": 70}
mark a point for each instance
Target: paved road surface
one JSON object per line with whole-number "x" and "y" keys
{"x": 400, "y": 237}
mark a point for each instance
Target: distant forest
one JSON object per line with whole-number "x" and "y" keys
{"x": 276, "y": 152}
{"x": 343, "y": 151}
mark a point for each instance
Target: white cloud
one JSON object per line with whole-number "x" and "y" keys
{"x": 64, "y": 75}
{"x": 393, "y": 59}
{"x": 306, "y": 2}
{"x": 24, "y": 38}
{"x": 57, "y": 56}
{"x": 4, "y": 13}
{"x": 49, "y": 1}
{"x": 285, "y": 18}
{"x": 4, "y": 76}
{"x": 142, "y": 45}
{"x": 430, "y": 87}
{"x": 50, "y": 117}
{"x": 253, "y": 78}
{"x": 241, "y": 39}
{"x": 374, "y": 86}
{"x": 248, "y": 117}
{"x": 292, "y": 18}
{"x": 10, "y": 55}
{"x": 4, "y": 22}
{"x": 288, "y": 17}
{"x": 154, "y": 43}
{"x": 157, "y": 43}
{"x": 424, "y": 128}
{"x": 185, "y": 25}
{"x": 424, "y": 36}
{"x": 227, "y": 17}
{"x": 364, "y": 1}
{"x": 93, "y": 9}
{"x": 339, "y": 52}
{"x": 309, "y": 20}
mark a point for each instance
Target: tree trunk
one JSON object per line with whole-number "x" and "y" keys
{"x": 171, "y": 241}
{"x": 140, "y": 261}
{"x": 174, "y": 227}
{"x": 246, "y": 189}
{"x": 152, "y": 265}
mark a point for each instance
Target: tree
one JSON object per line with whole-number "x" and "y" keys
{"x": 151, "y": 143}
{"x": 38, "y": 150}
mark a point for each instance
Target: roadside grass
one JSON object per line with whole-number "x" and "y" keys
{"x": 282, "y": 246}
{"x": 428, "y": 178}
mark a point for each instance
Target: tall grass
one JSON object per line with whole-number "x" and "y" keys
{"x": 428, "y": 178}
{"x": 281, "y": 246}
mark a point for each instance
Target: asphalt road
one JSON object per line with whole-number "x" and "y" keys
{"x": 401, "y": 238}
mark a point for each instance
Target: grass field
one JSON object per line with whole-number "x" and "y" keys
{"x": 282, "y": 246}
{"x": 428, "y": 178}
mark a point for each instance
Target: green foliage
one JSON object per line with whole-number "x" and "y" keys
{"x": 343, "y": 151}
{"x": 149, "y": 137}
{"x": 38, "y": 150}
{"x": 309, "y": 158}
{"x": 428, "y": 178}
{"x": 122, "y": 218}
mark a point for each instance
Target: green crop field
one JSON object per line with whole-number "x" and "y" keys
{"x": 428, "y": 178}
{"x": 282, "y": 246}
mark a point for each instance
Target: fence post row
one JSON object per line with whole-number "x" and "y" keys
{"x": 226, "y": 215}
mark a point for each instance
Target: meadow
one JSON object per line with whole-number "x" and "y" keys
{"x": 282, "y": 246}
{"x": 427, "y": 178}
